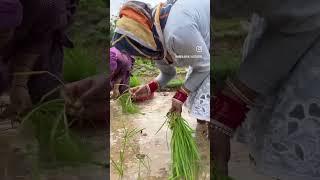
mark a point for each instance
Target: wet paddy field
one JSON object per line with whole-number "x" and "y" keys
{"x": 147, "y": 155}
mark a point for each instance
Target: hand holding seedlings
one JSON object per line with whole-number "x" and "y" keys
{"x": 139, "y": 92}
{"x": 144, "y": 92}
{"x": 20, "y": 99}
{"x": 87, "y": 97}
{"x": 176, "y": 107}
{"x": 177, "y": 101}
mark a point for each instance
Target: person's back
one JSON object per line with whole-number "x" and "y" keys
{"x": 42, "y": 33}
{"x": 37, "y": 45}
{"x": 199, "y": 15}
{"x": 11, "y": 13}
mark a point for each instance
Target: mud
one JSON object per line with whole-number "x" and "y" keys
{"x": 16, "y": 162}
{"x": 154, "y": 146}
{"x": 240, "y": 167}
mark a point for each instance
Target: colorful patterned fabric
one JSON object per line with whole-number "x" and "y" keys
{"x": 282, "y": 128}
{"x": 282, "y": 131}
{"x": 139, "y": 30}
{"x": 120, "y": 67}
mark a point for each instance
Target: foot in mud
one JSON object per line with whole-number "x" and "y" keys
{"x": 202, "y": 128}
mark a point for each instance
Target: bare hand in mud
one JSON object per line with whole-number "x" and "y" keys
{"x": 20, "y": 103}
{"x": 140, "y": 92}
{"x": 116, "y": 89}
{"x": 176, "y": 107}
{"x": 115, "y": 94}
{"x": 220, "y": 151}
{"x": 87, "y": 97}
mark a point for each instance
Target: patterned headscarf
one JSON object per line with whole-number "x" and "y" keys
{"x": 139, "y": 31}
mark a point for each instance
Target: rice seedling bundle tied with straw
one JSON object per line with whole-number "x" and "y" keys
{"x": 185, "y": 156}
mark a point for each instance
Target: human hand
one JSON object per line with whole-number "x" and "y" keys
{"x": 144, "y": 92}
{"x": 88, "y": 97}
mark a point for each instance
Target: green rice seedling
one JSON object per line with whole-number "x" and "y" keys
{"x": 134, "y": 81}
{"x": 185, "y": 157}
{"x": 51, "y": 130}
{"x": 127, "y": 104}
{"x": 143, "y": 162}
{"x": 49, "y": 125}
{"x": 119, "y": 165}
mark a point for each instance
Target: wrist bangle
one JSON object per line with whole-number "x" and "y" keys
{"x": 184, "y": 90}
{"x": 229, "y": 112}
{"x": 153, "y": 86}
{"x": 178, "y": 101}
{"x": 181, "y": 96}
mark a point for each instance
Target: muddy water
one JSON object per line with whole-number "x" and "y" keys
{"x": 155, "y": 147}
{"x": 240, "y": 167}
{"x": 16, "y": 163}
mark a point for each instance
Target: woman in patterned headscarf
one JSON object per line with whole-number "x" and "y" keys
{"x": 174, "y": 34}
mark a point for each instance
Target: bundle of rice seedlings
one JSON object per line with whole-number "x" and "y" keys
{"x": 127, "y": 104}
{"x": 49, "y": 125}
{"x": 50, "y": 128}
{"x": 185, "y": 158}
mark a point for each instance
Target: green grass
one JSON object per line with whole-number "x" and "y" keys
{"x": 79, "y": 64}
{"x": 145, "y": 70}
{"x": 88, "y": 33}
{"x": 175, "y": 83}
{"x": 224, "y": 65}
{"x": 91, "y": 24}
{"x": 228, "y": 28}
{"x": 134, "y": 81}
{"x": 229, "y": 36}
{"x": 144, "y": 67}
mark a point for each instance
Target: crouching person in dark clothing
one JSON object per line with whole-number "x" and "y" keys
{"x": 32, "y": 39}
